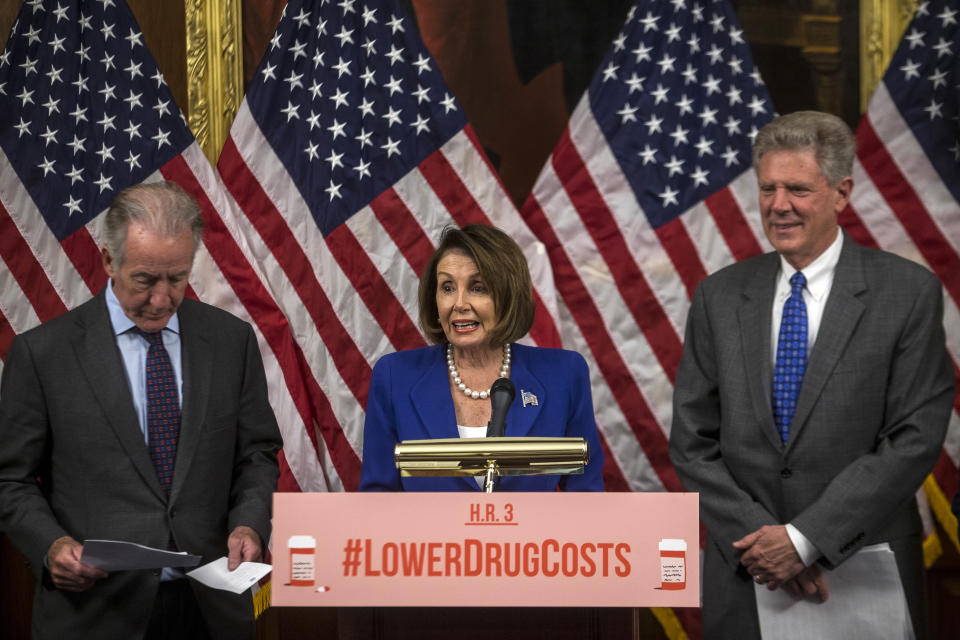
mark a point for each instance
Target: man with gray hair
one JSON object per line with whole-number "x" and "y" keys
{"x": 813, "y": 394}
{"x": 141, "y": 416}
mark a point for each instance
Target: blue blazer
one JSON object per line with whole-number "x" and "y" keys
{"x": 410, "y": 399}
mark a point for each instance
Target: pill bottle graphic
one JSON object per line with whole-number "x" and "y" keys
{"x": 303, "y": 551}
{"x": 673, "y": 564}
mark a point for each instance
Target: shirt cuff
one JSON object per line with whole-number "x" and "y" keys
{"x": 805, "y": 549}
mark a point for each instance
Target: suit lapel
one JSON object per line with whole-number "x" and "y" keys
{"x": 99, "y": 357}
{"x": 840, "y": 319}
{"x": 430, "y": 396}
{"x": 197, "y": 358}
{"x": 755, "y": 318}
{"x": 520, "y": 418}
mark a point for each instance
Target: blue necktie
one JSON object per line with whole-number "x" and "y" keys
{"x": 163, "y": 409}
{"x": 791, "y": 357}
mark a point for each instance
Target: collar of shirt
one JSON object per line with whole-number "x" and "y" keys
{"x": 819, "y": 273}
{"x": 133, "y": 353}
{"x": 121, "y": 322}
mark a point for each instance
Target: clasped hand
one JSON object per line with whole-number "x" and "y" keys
{"x": 770, "y": 557}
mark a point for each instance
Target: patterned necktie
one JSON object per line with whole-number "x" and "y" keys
{"x": 163, "y": 409}
{"x": 791, "y": 357}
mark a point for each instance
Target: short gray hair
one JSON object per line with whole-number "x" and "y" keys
{"x": 162, "y": 207}
{"x": 825, "y": 134}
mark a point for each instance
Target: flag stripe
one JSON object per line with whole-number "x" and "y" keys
{"x": 448, "y": 186}
{"x": 6, "y": 337}
{"x": 376, "y": 294}
{"x": 945, "y": 473}
{"x": 83, "y": 253}
{"x": 732, "y": 225}
{"x": 275, "y": 233}
{"x": 342, "y": 453}
{"x": 396, "y": 273}
{"x": 613, "y": 478}
{"x": 596, "y": 217}
{"x": 854, "y": 225}
{"x": 905, "y": 204}
{"x": 19, "y": 313}
{"x": 27, "y": 271}
{"x": 683, "y": 253}
{"x": 629, "y": 462}
{"x": 614, "y": 370}
{"x": 403, "y": 228}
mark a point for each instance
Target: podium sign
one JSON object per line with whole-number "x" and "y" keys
{"x": 476, "y": 549}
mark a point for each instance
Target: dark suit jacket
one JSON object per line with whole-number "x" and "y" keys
{"x": 410, "y": 400}
{"x": 67, "y": 418}
{"x": 870, "y": 420}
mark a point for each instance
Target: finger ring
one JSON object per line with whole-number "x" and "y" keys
{"x": 757, "y": 578}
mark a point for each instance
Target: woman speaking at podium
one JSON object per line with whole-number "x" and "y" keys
{"x": 476, "y": 300}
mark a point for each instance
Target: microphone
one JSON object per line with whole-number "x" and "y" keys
{"x": 502, "y": 393}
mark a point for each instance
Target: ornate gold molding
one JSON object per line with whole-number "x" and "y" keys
{"x": 214, "y": 70}
{"x": 882, "y": 23}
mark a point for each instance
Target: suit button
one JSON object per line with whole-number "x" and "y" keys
{"x": 173, "y": 513}
{"x": 156, "y": 572}
{"x": 785, "y": 473}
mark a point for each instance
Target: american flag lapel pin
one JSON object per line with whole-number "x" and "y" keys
{"x": 528, "y": 398}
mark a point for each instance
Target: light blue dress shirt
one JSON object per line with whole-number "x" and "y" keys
{"x": 133, "y": 348}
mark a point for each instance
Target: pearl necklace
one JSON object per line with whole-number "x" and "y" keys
{"x": 458, "y": 381}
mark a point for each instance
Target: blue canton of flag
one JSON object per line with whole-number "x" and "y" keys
{"x": 350, "y": 101}
{"x": 679, "y": 101}
{"x": 924, "y": 78}
{"x": 84, "y": 111}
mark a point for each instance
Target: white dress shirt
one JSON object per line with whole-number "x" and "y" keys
{"x": 819, "y": 275}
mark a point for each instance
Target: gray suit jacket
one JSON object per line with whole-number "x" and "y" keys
{"x": 870, "y": 421}
{"x": 73, "y": 462}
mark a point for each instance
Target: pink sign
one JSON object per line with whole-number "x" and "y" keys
{"x": 501, "y": 549}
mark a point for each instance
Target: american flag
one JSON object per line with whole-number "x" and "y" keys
{"x": 347, "y": 158}
{"x": 84, "y": 113}
{"x": 650, "y": 189}
{"x": 906, "y": 195}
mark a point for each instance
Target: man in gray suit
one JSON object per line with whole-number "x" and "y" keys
{"x": 141, "y": 416}
{"x": 813, "y": 394}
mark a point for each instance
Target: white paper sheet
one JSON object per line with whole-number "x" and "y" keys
{"x": 866, "y": 601}
{"x": 216, "y": 575}
{"x": 117, "y": 555}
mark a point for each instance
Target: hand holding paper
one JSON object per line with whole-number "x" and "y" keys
{"x": 243, "y": 545}
{"x": 67, "y": 569}
{"x": 217, "y": 575}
